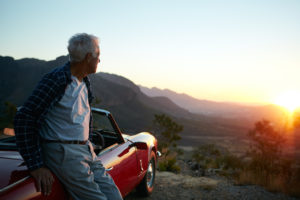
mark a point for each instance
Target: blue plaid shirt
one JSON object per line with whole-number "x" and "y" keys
{"x": 31, "y": 115}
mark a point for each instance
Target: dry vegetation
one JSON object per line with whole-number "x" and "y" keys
{"x": 284, "y": 178}
{"x": 263, "y": 164}
{"x": 256, "y": 160}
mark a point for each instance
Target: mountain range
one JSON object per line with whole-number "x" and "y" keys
{"x": 227, "y": 110}
{"x": 134, "y": 106}
{"x": 206, "y": 107}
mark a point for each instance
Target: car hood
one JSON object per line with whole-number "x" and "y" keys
{"x": 12, "y": 168}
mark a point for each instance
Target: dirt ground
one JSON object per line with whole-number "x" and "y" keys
{"x": 184, "y": 187}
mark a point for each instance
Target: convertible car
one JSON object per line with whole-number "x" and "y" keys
{"x": 130, "y": 160}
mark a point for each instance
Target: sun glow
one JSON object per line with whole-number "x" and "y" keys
{"x": 289, "y": 100}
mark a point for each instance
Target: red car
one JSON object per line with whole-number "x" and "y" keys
{"x": 130, "y": 160}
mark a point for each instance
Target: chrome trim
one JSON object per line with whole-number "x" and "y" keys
{"x": 141, "y": 164}
{"x": 109, "y": 169}
{"x": 14, "y": 184}
{"x": 101, "y": 110}
{"x": 158, "y": 154}
{"x": 150, "y": 174}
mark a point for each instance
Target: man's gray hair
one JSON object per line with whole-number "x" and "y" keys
{"x": 80, "y": 44}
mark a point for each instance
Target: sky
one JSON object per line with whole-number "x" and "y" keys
{"x": 239, "y": 51}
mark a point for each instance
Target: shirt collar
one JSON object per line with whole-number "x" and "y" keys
{"x": 67, "y": 70}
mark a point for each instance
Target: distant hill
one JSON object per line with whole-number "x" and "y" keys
{"x": 19, "y": 77}
{"x": 133, "y": 108}
{"x": 196, "y": 105}
{"x": 212, "y": 108}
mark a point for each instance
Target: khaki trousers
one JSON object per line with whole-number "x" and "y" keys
{"x": 77, "y": 167}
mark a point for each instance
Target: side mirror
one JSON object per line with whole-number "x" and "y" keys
{"x": 138, "y": 145}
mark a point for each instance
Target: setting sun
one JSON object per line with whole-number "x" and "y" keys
{"x": 289, "y": 100}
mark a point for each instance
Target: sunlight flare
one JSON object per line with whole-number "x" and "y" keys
{"x": 289, "y": 100}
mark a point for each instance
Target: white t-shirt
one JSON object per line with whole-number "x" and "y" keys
{"x": 69, "y": 118}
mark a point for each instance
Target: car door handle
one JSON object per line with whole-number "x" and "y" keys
{"x": 109, "y": 169}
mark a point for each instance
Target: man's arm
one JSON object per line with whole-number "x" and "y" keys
{"x": 27, "y": 139}
{"x": 26, "y": 121}
{"x": 27, "y": 130}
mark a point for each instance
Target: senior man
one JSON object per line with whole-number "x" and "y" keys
{"x": 52, "y": 128}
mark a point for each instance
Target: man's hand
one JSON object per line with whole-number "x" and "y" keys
{"x": 44, "y": 180}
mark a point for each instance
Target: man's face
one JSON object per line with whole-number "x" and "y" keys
{"x": 93, "y": 63}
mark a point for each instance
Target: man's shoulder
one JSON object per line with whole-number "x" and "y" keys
{"x": 60, "y": 74}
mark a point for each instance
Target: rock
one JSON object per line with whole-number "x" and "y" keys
{"x": 194, "y": 166}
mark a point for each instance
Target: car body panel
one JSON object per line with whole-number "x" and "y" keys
{"x": 13, "y": 163}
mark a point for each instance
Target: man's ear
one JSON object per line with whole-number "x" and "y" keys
{"x": 88, "y": 57}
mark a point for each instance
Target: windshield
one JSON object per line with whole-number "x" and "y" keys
{"x": 101, "y": 122}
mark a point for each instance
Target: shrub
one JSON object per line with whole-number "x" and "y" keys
{"x": 230, "y": 161}
{"x": 268, "y": 167}
{"x": 168, "y": 164}
{"x": 166, "y": 130}
{"x": 7, "y": 115}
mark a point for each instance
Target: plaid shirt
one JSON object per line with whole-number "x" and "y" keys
{"x": 32, "y": 114}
